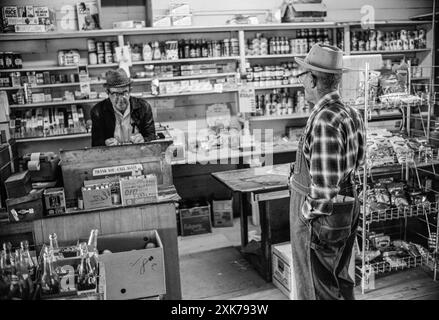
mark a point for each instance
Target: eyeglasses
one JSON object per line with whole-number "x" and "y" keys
{"x": 300, "y": 76}
{"x": 124, "y": 93}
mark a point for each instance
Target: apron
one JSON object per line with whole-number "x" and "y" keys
{"x": 321, "y": 247}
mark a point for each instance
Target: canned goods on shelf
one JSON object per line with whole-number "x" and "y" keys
{"x": 100, "y": 47}
{"x": 108, "y": 58}
{"x": 107, "y": 47}
{"x": 92, "y": 58}
{"x": 9, "y": 62}
{"x": 91, "y": 45}
{"x": 101, "y": 58}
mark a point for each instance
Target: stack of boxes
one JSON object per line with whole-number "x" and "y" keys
{"x": 27, "y": 191}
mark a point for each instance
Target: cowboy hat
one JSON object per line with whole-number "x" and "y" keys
{"x": 117, "y": 78}
{"x": 323, "y": 58}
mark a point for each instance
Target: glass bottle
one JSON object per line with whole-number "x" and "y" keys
{"x": 45, "y": 278}
{"x": 157, "y": 55}
{"x": 204, "y": 49}
{"x": 53, "y": 241}
{"x": 7, "y": 247}
{"x": 54, "y": 277}
{"x": 192, "y": 51}
{"x": 28, "y": 259}
{"x": 198, "y": 48}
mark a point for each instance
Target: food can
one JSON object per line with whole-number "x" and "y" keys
{"x": 61, "y": 58}
{"x": 9, "y": 62}
{"x": 99, "y": 47}
{"x": 91, "y": 45}
{"x": 109, "y": 57}
{"x": 18, "y": 61}
{"x": 101, "y": 58}
{"x": 92, "y": 58}
{"x": 107, "y": 47}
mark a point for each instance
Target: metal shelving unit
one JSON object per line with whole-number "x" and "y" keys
{"x": 369, "y": 217}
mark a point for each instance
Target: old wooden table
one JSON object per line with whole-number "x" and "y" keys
{"x": 267, "y": 183}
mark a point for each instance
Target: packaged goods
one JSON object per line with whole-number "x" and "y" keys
{"x": 54, "y": 200}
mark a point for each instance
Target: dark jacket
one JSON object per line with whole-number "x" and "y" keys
{"x": 104, "y": 120}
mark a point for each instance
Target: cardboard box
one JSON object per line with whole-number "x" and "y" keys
{"x": 27, "y": 208}
{"x": 184, "y": 20}
{"x": 55, "y": 201}
{"x": 129, "y": 24}
{"x": 195, "y": 220}
{"x": 162, "y": 21}
{"x": 138, "y": 190}
{"x": 283, "y": 277}
{"x": 282, "y": 274}
{"x": 222, "y": 213}
{"x": 97, "y": 197}
{"x": 131, "y": 271}
{"x": 18, "y": 185}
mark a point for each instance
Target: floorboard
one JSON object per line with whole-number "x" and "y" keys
{"x": 208, "y": 272}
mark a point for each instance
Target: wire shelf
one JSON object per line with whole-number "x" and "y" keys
{"x": 398, "y": 264}
{"x": 401, "y": 212}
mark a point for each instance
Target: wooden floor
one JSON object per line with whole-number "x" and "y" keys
{"x": 222, "y": 245}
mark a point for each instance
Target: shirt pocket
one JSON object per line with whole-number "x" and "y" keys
{"x": 336, "y": 227}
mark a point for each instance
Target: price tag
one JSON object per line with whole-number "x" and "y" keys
{"x": 247, "y": 100}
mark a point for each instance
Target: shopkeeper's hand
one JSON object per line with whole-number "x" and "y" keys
{"x": 111, "y": 142}
{"x": 137, "y": 138}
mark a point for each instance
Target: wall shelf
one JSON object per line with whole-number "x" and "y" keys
{"x": 389, "y": 52}
{"x": 58, "y": 137}
{"x": 281, "y": 117}
{"x": 275, "y": 56}
{"x": 284, "y": 86}
{"x": 53, "y": 104}
{"x": 188, "y": 60}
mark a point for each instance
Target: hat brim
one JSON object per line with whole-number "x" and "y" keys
{"x": 308, "y": 66}
{"x": 119, "y": 85}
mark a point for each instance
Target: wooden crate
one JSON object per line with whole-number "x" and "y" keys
{"x": 85, "y": 164}
{"x": 195, "y": 220}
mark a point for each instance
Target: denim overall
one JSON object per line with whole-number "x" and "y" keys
{"x": 321, "y": 247}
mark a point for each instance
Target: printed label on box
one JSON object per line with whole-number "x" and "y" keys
{"x": 117, "y": 169}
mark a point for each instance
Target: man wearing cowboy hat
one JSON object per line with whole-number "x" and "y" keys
{"x": 121, "y": 118}
{"x": 324, "y": 207}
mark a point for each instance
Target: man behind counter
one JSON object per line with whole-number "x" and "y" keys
{"x": 121, "y": 118}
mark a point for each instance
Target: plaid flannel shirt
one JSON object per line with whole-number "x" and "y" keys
{"x": 334, "y": 145}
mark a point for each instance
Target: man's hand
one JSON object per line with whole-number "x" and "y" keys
{"x": 137, "y": 138}
{"x": 111, "y": 142}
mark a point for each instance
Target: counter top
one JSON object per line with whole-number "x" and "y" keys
{"x": 255, "y": 179}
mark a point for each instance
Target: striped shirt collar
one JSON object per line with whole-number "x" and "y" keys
{"x": 327, "y": 98}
